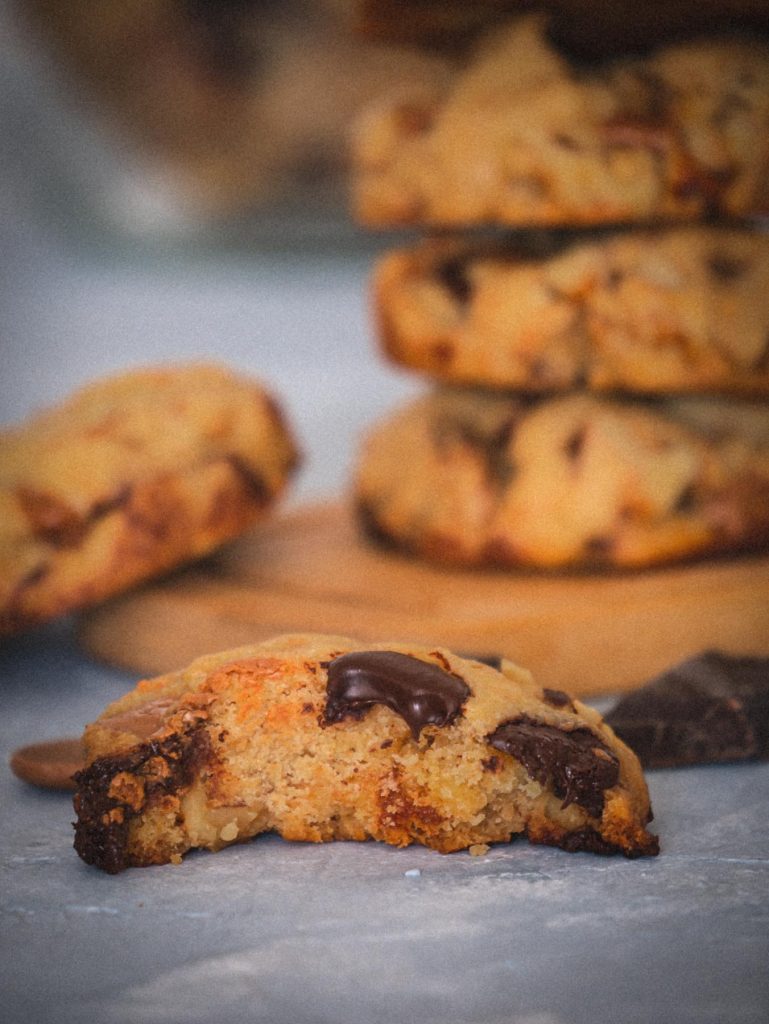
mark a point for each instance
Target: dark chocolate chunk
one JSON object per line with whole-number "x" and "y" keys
{"x": 587, "y": 840}
{"x": 159, "y": 767}
{"x": 54, "y": 521}
{"x": 452, "y": 274}
{"x": 567, "y": 142}
{"x": 577, "y": 764}
{"x": 557, "y": 698}
{"x": 711, "y": 708}
{"x": 420, "y": 692}
{"x": 442, "y": 353}
{"x": 255, "y": 485}
{"x": 614, "y": 278}
{"x": 493, "y": 660}
{"x": 493, "y": 446}
{"x": 575, "y": 444}
{"x": 726, "y": 268}
{"x": 371, "y": 527}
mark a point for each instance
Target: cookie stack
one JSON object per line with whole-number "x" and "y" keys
{"x": 589, "y": 303}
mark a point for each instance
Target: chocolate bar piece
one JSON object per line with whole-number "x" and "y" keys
{"x": 711, "y": 708}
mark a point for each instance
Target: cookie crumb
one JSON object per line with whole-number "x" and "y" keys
{"x": 478, "y": 849}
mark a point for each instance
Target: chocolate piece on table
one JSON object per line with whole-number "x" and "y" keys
{"x": 711, "y": 708}
{"x": 51, "y": 764}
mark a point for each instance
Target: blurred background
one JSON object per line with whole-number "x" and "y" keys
{"x": 173, "y": 185}
{"x": 167, "y": 114}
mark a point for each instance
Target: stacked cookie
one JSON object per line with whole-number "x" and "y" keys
{"x": 590, "y": 306}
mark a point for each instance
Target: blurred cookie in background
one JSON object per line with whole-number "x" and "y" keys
{"x": 655, "y": 312}
{"x": 129, "y": 477}
{"x": 469, "y": 477}
{"x": 527, "y": 136}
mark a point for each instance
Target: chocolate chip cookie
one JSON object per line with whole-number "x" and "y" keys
{"x": 130, "y": 476}
{"x": 476, "y": 478}
{"x": 523, "y": 136}
{"x": 319, "y": 738}
{"x": 678, "y": 310}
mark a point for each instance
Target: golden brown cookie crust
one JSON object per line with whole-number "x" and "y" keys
{"x": 474, "y": 478}
{"x": 662, "y": 311}
{"x": 524, "y": 138}
{"x": 244, "y": 742}
{"x": 129, "y": 477}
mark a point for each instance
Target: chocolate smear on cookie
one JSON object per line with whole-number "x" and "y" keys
{"x": 578, "y": 765}
{"x": 419, "y": 691}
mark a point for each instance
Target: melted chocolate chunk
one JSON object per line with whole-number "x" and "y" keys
{"x": 575, "y": 444}
{"x": 710, "y": 708}
{"x": 420, "y": 692}
{"x": 567, "y": 142}
{"x": 493, "y": 660}
{"x": 577, "y": 764}
{"x": 442, "y": 353}
{"x": 371, "y": 527}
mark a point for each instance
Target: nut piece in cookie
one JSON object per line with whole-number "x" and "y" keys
{"x": 320, "y": 738}
{"x": 131, "y": 476}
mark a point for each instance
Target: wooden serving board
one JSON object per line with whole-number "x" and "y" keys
{"x": 310, "y": 571}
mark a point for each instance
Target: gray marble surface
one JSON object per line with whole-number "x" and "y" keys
{"x": 284, "y": 933}
{"x": 348, "y": 933}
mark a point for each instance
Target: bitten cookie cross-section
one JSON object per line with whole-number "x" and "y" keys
{"x": 320, "y": 738}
